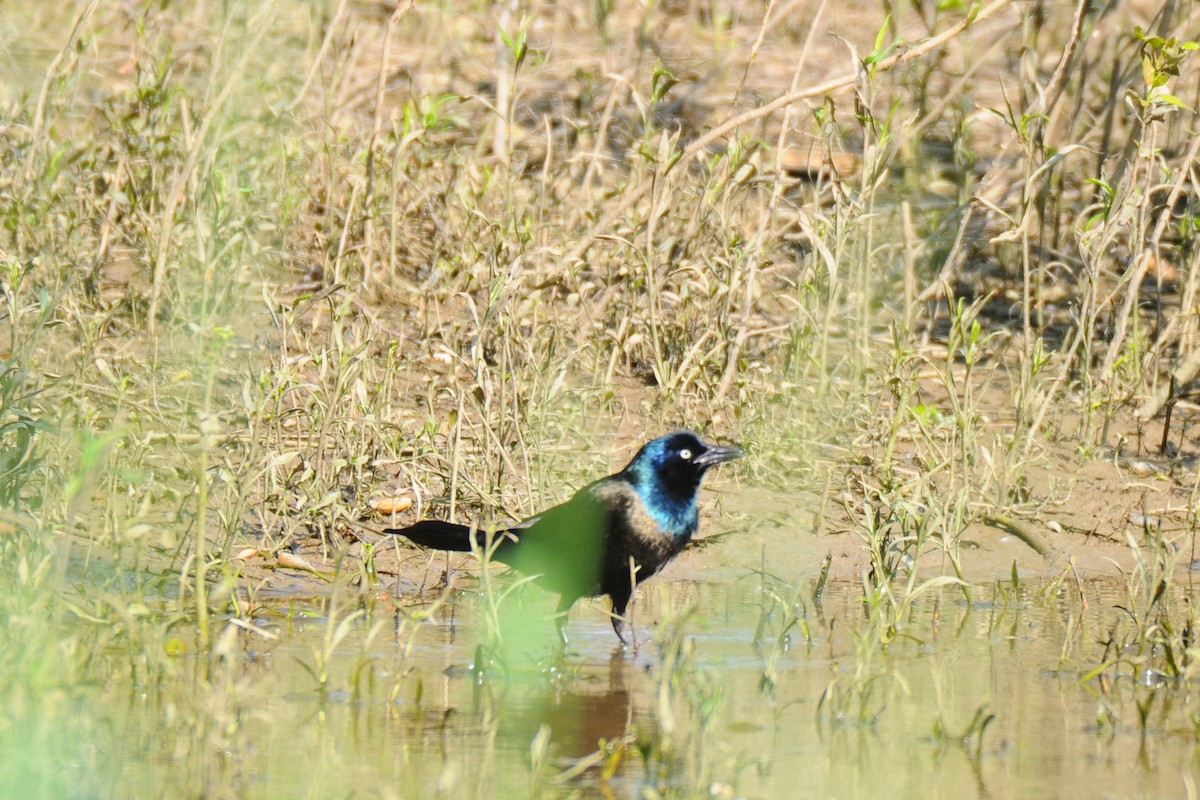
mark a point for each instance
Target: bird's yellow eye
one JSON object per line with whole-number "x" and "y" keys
{"x": 685, "y": 454}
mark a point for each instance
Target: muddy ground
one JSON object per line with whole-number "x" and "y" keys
{"x": 1083, "y": 510}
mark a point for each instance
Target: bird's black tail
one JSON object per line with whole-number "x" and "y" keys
{"x": 439, "y": 535}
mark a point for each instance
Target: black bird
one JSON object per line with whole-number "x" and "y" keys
{"x": 617, "y": 531}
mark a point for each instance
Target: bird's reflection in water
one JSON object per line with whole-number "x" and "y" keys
{"x": 580, "y": 713}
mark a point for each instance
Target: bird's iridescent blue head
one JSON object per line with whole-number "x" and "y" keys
{"x": 667, "y": 472}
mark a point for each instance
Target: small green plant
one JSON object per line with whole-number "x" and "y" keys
{"x": 781, "y": 611}
{"x": 1150, "y": 643}
{"x": 1161, "y": 61}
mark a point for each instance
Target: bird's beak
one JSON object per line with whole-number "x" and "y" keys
{"x": 716, "y": 453}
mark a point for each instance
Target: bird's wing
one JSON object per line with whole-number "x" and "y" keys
{"x": 588, "y": 510}
{"x": 566, "y": 544}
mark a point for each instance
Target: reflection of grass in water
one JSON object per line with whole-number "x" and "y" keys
{"x": 782, "y": 608}
{"x": 1149, "y": 642}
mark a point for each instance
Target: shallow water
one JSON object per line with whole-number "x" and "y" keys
{"x": 404, "y": 712}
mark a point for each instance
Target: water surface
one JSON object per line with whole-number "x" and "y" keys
{"x": 713, "y": 703}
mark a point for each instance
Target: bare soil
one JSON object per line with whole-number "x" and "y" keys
{"x": 1085, "y": 507}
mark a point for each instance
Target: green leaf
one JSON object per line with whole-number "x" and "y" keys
{"x": 882, "y": 28}
{"x": 507, "y": 39}
{"x": 1103, "y": 184}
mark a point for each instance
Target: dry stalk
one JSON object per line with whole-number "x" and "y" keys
{"x": 402, "y": 8}
{"x": 319, "y": 60}
{"x": 695, "y": 148}
{"x": 39, "y": 114}
{"x": 762, "y": 32}
{"x": 184, "y": 176}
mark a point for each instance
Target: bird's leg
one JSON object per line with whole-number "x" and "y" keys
{"x": 619, "y": 626}
{"x": 560, "y": 618}
{"x": 620, "y": 600}
{"x": 634, "y": 569}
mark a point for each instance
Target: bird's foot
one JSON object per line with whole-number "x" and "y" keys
{"x": 561, "y": 625}
{"x": 618, "y": 623}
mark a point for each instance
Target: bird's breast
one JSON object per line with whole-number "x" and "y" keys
{"x": 656, "y": 521}
{"x": 664, "y": 528}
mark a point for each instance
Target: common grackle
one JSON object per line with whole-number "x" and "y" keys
{"x": 617, "y": 531}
